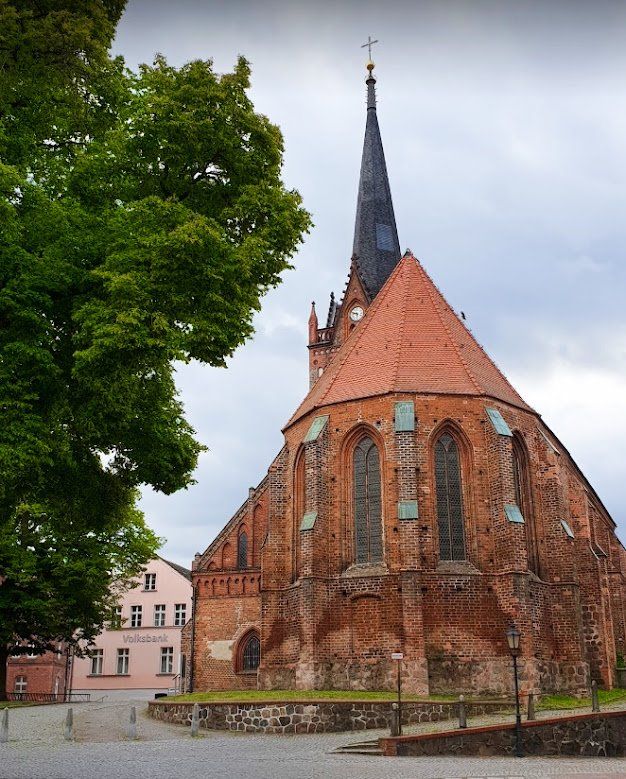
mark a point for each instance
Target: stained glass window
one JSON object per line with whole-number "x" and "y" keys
{"x": 449, "y": 499}
{"x": 251, "y": 654}
{"x": 523, "y": 501}
{"x": 242, "y": 551}
{"x": 367, "y": 503}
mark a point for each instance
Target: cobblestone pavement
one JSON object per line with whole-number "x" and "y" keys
{"x": 36, "y": 750}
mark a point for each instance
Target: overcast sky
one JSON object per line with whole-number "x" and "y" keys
{"x": 504, "y": 126}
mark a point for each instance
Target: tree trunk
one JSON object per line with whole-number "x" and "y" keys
{"x": 4, "y": 656}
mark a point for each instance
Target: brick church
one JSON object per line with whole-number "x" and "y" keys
{"x": 418, "y": 505}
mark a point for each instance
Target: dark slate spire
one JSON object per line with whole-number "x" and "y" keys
{"x": 376, "y": 244}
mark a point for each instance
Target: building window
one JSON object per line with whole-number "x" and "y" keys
{"x": 32, "y": 652}
{"x": 180, "y": 614}
{"x": 21, "y": 684}
{"x": 135, "y": 616}
{"x": 159, "y": 615}
{"x": 250, "y": 653}
{"x": 149, "y": 582}
{"x": 97, "y": 657}
{"x": 123, "y": 656}
{"x": 523, "y": 500}
{"x": 449, "y": 499}
{"x": 167, "y": 659}
{"x": 116, "y": 618}
{"x": 367, "y": 503}
{"x": 242, "y": 551}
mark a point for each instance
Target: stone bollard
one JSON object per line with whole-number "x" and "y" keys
{"x": 462, "y": 712}
{"x": 395, "y": 720}
{"x": 132, "y": 724}
{"x": 4, "y": 727}
{"x": 595, "y": 701}
{"x": 68, "y": 732}
{"x": 195, "y": 719}
{"x": 530, "y": 715}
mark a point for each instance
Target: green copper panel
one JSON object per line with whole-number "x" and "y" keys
{"x": 308, "y": 520}
{"x": 405, "y": 416}
{"x": 567, "y": 528}
{"x": 513, "y": 514}
{"x": 497, "y": 420}
{"x": 317, "y": 425}
{"x": 407, "y": 509}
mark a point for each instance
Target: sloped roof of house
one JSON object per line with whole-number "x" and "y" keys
{"x": 178, "y": 568}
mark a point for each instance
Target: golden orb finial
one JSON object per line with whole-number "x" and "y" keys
{"x": 370, "y": 66}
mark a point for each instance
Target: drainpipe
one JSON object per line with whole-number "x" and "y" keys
{"x": 193, "y": 637}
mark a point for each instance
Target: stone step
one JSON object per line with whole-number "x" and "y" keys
{"x": 359, "y": 748}
{"x": 361, "y": 751}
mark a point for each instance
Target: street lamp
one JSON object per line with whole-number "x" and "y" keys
{"x": 513, "y": 636}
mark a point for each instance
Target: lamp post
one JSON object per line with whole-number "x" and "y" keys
{"x": 513, "y": 636}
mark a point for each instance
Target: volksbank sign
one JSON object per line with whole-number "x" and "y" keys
{"x": 135, "y": 638}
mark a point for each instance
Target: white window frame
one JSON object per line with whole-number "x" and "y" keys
{"x": 123, "y": 661}
{"x": 180, "y": 614}
{"x": 159, "y": 615}
{"x": 136, "y": 616}
{"x": 167, "y": 660}
{"x": 21, "y": 684}
{"x": 97, "y": 662}
{"x": 149, "y": 582}
{"x": 116, "y": 618}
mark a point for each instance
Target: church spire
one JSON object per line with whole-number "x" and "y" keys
{"x": 376, "y": 246}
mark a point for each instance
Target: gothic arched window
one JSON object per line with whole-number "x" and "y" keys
{"x": 242, "y": 551}
{"x": 521, "y": 483}
{"x": 250, "y": 653}
{"x": 449, "y": 499}
{"x": 367, "y": 503}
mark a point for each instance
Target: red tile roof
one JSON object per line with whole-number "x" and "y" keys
{"x": 410, "y": 340}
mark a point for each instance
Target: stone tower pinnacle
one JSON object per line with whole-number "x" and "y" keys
{"x": 376, "y": 246}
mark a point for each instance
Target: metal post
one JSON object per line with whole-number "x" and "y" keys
{"x": 399, "y": 699}
{"x": 132, "y": 724}
{"x": 195, "y": 719}
{"x": 192, "y": 667}
{"x": 462, "y": 712}
{"x": 531, "y": 707}
{"x": 4, "y": 727}
{"x": 595, "y": 701}
{"x": 68, "y": 733}
{"x": 519, "y": 752}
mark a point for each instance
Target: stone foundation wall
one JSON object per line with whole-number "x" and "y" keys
{"x": 494, "y": 676}
{"x": 347, "y": 675}
{"x": 585, "y": 735}
{"x": 310, "y": 717}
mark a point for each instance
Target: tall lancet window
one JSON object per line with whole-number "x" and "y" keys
{"x": 368, "y": 532}
{"x": 242, "y": 551}
{"x": 524, "y": 501}
{"x": 449, "y": 499}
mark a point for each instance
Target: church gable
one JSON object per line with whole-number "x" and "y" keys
{"x": 238, "y": 545}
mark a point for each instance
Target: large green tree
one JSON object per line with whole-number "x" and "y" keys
{"x": 142, "y": 219}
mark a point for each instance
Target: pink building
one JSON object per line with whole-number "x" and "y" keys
{"x": 140, "y": 650}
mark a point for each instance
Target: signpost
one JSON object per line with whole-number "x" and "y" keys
{"x": 399, "y": 657}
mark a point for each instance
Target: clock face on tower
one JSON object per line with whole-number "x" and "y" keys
{"x": 356, "y": 313}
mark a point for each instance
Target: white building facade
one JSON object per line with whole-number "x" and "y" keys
{"x": 140, "y": 650}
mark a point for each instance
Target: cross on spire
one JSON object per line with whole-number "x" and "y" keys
{"x": 369, "y": 45}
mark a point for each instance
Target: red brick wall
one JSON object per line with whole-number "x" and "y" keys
{"x": 41, "y": 672}
{"x": 327, "y": 622}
